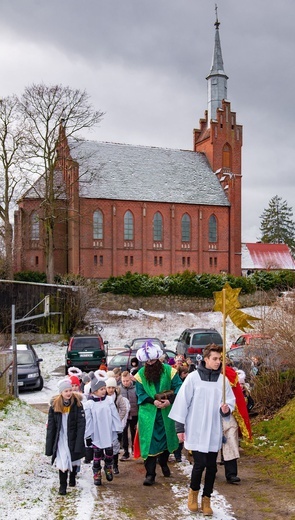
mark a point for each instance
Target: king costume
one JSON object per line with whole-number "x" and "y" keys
{"x": 156, "y": 431}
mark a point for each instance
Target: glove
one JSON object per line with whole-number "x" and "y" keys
{"x": 88, "y": 442}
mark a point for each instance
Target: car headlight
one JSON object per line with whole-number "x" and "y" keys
{"x": 34, "y": 374}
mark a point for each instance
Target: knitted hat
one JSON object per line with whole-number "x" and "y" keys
{"x": 95, "y": 383}
{"x": 110, "y": 373}
{"x": 85, "y": 378}
{"x": 148, "y": 352}
{"x": 63, "y": 385}
{"x": 111, "y": 381}
{"x": 75, "y": 380}
{"x": 100, "y": 375}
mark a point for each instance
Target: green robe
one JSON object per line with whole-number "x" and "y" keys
{"x": 156, "y": 431}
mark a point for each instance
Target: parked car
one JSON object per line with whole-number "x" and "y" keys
{"x": 249, "y": 339}
{"x": 86, "y": 351}
{"x": 28, "y": 368}
{"x": 123, "y": 359}
{"x": 192, "y": 342}
{"x": 254, "y": 358}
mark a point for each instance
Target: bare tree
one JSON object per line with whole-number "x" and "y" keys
{"x": 45, "y": 108}
{"x": 11, "y": 142}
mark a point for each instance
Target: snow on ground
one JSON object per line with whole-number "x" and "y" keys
{"x": 28, "y": 485}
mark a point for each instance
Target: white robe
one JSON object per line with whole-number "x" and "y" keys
{"x": 63, "y": 455}
{"x": 197, "y": 406}
{"x": 102, "y": 420}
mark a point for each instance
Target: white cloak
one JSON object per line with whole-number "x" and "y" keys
{"x": 102, "y": 420}
{"x": 197, "y": 406}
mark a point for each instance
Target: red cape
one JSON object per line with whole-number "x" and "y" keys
{"x": 240, "y": 412}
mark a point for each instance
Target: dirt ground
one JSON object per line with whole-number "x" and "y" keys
{"x": 257, "y": 497}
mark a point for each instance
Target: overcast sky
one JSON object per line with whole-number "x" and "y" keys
{"x": 145, "y": 62}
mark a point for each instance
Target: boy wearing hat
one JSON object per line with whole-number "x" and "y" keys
{"x": 102, "y": 422}
{"x": 65, "y": 433}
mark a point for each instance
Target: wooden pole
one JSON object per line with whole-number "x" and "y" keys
{"x": 224, "y": 342}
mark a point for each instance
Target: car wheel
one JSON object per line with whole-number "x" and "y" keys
{"x": 40, "y": 383}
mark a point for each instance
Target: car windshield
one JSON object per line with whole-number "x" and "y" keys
{"x": 120, "y": 359}
{"x": 25, "y": 358}
{"x": 205, "y": 339}
{"x": 85, "y": 343}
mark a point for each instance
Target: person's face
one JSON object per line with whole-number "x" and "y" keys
{"x": 67, "y": 393}
{"x": 213, "y": 361}
{"x": 110, "y": 390}
{"x": 75, "y": 388}
{"x": 126, "y": 381}
{"x": 100, "y": 392}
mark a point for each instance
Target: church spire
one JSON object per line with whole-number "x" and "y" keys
{"x": 217, "y": 79}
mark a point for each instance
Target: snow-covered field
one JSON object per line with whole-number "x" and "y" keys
{"x": 28, "y": 483}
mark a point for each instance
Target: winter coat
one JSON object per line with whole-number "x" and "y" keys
{"x": 130, "y": 394}
{"x": 76, "y": 429}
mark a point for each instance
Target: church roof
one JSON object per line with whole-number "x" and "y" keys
{"x": 128, "y": 172}
{"x": 266, "y": 256}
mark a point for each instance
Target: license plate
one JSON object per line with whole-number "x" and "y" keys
{"x": 20, "y": 383}
{"x": 86, "y": 354}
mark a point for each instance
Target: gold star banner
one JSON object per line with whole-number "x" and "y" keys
{"x": 226, "y": 301}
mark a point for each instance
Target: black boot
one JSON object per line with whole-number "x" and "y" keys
{"x": 115, "y": 467}
{"x": 63, "y": 477}
{"x": 72, "y": 480}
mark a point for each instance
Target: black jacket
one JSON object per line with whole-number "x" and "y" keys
{"x": 76, "y": 429}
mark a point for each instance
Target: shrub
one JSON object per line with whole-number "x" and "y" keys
{"x": 272, "y": 389}
{"x": 30, "y": 276}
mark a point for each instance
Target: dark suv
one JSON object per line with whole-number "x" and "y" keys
{"x": 28, "y": 368}
{"x": 86, "y": 351}
{"x": 193, "y": 341}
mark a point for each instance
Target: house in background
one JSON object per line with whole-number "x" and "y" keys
{"x": 144, "y": 209}
{"x": 266, "y": 257}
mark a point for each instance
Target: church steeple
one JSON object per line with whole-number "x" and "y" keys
{"x": 217, "y": 79}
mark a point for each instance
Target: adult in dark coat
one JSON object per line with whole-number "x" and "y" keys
{"x": 65, "y": 433}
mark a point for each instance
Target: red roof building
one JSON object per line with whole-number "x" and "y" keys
{"x": 270, "y": 257}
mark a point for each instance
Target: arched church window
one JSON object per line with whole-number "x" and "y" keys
{"x": 158, "y": 226}
{"x": 97, "y": 225}
{"x": 212, "y": 229}
{"x": 186, "y": 228}
{"x": 35, "y": 226}
{"x": 128, "y": 226}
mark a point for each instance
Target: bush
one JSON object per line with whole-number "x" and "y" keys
{"x": 272, "y": 389}
{"x": 30, "y": 276}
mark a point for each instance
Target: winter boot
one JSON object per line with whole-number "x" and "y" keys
{"x": 192, "y": 502}
{"x": 115, "y": 467}
{"x": 63, "y": 478}
{"x": 72, "y": 480}
{"x": 109, "y": 473}
{"x": 97, "y": 478}
{"x": 206, "y": 508}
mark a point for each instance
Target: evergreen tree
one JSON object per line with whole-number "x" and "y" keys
{"x": 277, "y": 225}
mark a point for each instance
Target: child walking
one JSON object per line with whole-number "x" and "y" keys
{"x": 65, "y": 433}
{"x": 102, "y": 423}
{"x": 123, "y": 407}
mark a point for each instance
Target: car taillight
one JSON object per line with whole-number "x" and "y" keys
{"x": 70, "y": 344}
{"x": 192, "y": 350}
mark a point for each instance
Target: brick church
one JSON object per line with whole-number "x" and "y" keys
{"x": 145, "y": 209}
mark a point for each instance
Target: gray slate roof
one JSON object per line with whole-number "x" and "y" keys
{"x": 127, "y": 172}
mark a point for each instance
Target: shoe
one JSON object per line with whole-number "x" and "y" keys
{"x": 149, "y": 480}
{"x": 97, "y": 479}
{"x": 116, "y": 470}
{"x": 233, "y": 480}
{"x": 178, "y": 459}
{"x": 86, "y": 461}
{"x": 125, "y": 456}
{"x": 166, "y": 471}
{"x": 109, "y": 474}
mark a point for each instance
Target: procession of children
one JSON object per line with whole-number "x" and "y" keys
{"x": 90, "y": 417}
